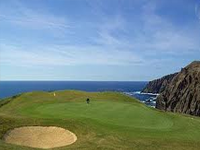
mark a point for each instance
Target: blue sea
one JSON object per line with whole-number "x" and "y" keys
{"x": 11, "y": 88}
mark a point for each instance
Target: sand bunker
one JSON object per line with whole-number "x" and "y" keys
{"x": 40, "y": 137}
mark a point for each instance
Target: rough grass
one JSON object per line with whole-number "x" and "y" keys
{"x": 110, "y": 121}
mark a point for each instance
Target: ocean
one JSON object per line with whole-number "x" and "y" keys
{"x": 133, "y": 88}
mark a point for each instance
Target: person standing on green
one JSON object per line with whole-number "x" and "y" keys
{"x": 88, "y": 100}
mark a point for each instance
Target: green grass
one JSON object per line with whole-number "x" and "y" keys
{"x": 111, "y": 121}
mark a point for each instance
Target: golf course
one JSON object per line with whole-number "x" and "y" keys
{"x": 110, "y": 121}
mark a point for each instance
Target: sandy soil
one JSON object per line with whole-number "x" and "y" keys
{"x": 40, "y": 137}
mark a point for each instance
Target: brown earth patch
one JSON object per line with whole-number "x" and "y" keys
{"x": 40, "y": 137}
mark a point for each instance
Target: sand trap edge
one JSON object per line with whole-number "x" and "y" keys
{"x": 7, "y": 135}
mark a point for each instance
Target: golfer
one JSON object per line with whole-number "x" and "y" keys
{"x": 88, "y": 100}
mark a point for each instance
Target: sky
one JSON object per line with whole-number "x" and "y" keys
{"x": 97, "y": 40}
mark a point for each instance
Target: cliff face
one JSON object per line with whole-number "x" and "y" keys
{"x": 158, "y": 85}
{"x": 182, "y": 94}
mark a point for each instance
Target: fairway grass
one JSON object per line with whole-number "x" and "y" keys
{"x": 111, "y": 121}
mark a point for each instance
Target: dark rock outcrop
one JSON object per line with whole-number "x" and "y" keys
{"x": 179, "y": 92}
{"x": 158, "y": 85}
{"x": 182, "y": 93}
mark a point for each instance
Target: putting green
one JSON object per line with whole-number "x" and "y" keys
{"x": 111, "y": 120}
{"x": 108, "y": 112}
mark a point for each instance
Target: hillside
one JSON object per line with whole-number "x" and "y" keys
{"x": 111, "y": 121}
{"x": 158, "y": 85}
{"x": 182, "y": 94}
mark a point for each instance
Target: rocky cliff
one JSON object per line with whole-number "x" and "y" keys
{"x": 182, "y": 94}
{"x": 158, "y": 85}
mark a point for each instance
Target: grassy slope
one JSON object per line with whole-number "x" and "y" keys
{"x": 110, "y": 121}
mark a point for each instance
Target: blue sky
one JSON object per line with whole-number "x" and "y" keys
{"x": 120, "y": 40}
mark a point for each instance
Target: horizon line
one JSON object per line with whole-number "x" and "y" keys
{"x": 72, "y": 81}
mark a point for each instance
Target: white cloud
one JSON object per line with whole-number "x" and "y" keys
{"x": 161, "y": 36}
{"x": 115, "y": 44}
{"x": 154, "y": 35}
{"x": 107, "y": 31}
{"x": 54, "y": 55}
{"x": 21, "y": 15}
{"x": 197, "y": 10}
